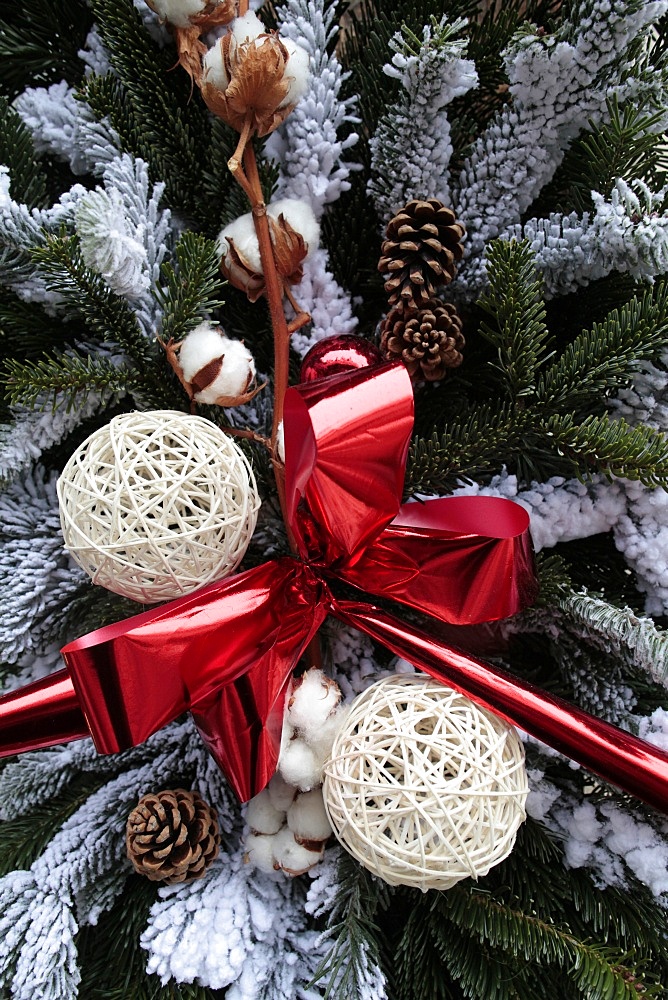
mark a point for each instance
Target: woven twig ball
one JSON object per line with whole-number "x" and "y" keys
{"x": 423, "y": 787}
{"x": 157, "y": 504}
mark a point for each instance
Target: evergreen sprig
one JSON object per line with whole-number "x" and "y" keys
{"x": 27, "y": 180}
{"x": 352, "y": 930}
{"x": 151, "y": 104}
{"x": 108, "y": 317}
{"x": 554, "y": 415}
{"x": 516, "y": 304}
{"x": 191, "y": 286}
{"x": 39, "y": 43}
{"x": 64, "y": 378}
{"x": 612, "y": 447}
{"x": 602, "y": 360}
{"x": 25, "y": 837}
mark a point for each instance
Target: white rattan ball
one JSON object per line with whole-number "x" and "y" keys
{"x": 423, "y": 787}
{"x": 157, "y": 504}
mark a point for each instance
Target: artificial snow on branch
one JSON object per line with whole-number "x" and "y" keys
{"x": 411, "y": 148}
{"x": 559, "y": 83}
{"x": 627, "y": 233}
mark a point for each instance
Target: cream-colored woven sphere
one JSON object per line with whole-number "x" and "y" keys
{"x": 423, "y": 787}
{"x": 157, "y": 504}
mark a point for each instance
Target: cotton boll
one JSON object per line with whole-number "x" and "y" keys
{"x": 321, "y": 742}
{"x": 206, "y": 344}
{"x": 247, "y": 27}
{"x": 307, "y": 817}
{"x": 259, "y": 851}
{"x": 262, "y": 816}
{"x": 213, "y": 67}
{"x": 296, "y": 72}
{"x": 299, "y": 766}
{"x": 281, "y": 794}
{"x": 242, "y": 232}
{"x": 177, "y": 12}
{"x": 313, "y": 700}
{"x": 299, "y": 215}
{"x": 291, "y": 857}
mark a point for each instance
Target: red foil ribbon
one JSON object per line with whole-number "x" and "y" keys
{"x": 227, "y": 651}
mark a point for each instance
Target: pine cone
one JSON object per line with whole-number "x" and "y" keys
{"x": 172, "y": 836}
{"x": 428, "y": 339}
{"x": 422, "y": 248}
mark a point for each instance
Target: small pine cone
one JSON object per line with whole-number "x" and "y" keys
{"x": 421, "y": 251}
{"x": 172, "y": 836}
{"x": 428, "y": 339}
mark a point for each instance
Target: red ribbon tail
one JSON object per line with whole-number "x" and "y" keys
{"x": 40, "y": 715}
{"x": 619, "y": 757}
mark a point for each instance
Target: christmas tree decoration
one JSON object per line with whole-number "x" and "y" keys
{"x": 252, "y": 79}
{"x": 338, "y": 354}
{"x": 424, "y": 788}
{"x": 421, "y": 250}
{"x": 294, "y": 237}
{"x": 213, "y": 368}
{"x": 506, "y": 162}
{"x": 157, "y": 504}
{"x": 428, "y": 338}
{"x": 172, "y": 836}
{"x": 186, "y": 13}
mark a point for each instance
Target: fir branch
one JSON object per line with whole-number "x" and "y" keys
{"x": 601, "y": 361}
{"x": 629, "y": 145}
{"x": 39, "y": 43}
{"x": 470, "y": 448}
{"x": 23, "y": 838}
{"x": 191, "y": 286}
{"x": 352, "y": 929}
{"x": 27, "y": 181}
{"x": 515, "y": 302}
{"x": 612, "y": 447}
{"x": 555, "y": 578}
{"x": 621, "y": 631}
{"x": 597, "y": 970}
{"x": 26, "y": 330}
{"x": 164, "y": 122}
{"x": 107, "y": 315}
{"x": 113, "y": 964}
{"x": 63, "y": 378}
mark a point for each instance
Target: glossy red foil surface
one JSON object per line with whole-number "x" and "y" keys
{"x": 226, "y": 652}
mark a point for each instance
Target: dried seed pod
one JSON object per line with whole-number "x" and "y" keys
{"x": 172, "y": 836}
{"x": 428, "y": 338}
{"x": 421, "y": 251}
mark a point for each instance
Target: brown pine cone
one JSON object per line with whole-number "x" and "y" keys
{"x": 172, "y": 836}
{"x": 428, "y": 339}
{"x": 421, "y": 251}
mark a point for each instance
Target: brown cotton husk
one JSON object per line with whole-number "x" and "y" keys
{"x": 190, "y": 50}
{"x": 239, "y": 273}
{"x": 289, "y": 250}
{"x": 215, "y": 15}
{"x": 257, "y": 85}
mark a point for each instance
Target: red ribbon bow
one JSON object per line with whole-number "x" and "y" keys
{"x": 227, "y": 651}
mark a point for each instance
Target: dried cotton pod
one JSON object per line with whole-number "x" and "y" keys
{"x": 293, "y": 858}
{"x": 252, "y": 78}
{"x": 308, "y": 819}
{"x": 295, "y": 235}
{"x": 204, "y": 14}
{"x": 214, "y": 368}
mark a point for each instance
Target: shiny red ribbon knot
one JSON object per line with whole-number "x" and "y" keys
{"x": 227, "y": 651}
